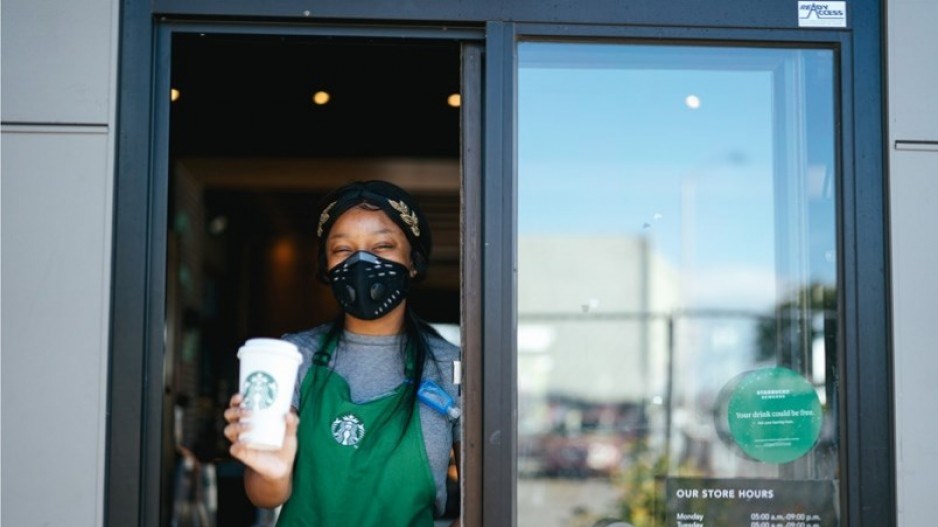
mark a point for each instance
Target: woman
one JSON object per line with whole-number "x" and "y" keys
{"x": 364, "y": 446}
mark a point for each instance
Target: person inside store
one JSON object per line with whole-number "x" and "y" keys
{"x": 375, "y": 413}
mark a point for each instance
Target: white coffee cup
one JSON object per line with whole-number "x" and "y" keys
{"x": 266, "y": 380}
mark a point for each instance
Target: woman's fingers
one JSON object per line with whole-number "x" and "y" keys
{"x": 237, "y": 418}
{"x": 234, "y": 430}
{"x": 235, "y": 413}
{"x": 268, "y": 463}
{"x": 271, "y": 464}
{"x": 234, "y": 406}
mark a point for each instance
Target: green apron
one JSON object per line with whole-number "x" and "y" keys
{"x": 357, "y": 465}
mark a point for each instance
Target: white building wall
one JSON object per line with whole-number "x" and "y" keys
{"x": 58, "y": 115}
{"x": 562, "y": 350}
{"x": 913, "y": 202}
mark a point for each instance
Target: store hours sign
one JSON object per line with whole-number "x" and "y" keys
{"x": 699, "y": 502}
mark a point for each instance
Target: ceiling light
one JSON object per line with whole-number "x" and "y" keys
{"x": 174, "y": 95}
{"x": 218, "y": 225}
{"x": 454, "y": 100}
{"x": 321, "y": 97}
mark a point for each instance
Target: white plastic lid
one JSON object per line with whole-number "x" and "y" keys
{"x": 282, "y": 348}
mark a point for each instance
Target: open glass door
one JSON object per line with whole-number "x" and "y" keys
{"x": 677, "y": 286}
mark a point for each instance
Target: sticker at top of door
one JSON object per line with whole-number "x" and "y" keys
{"x": 822, "y": 14}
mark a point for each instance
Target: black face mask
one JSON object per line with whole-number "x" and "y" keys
{"x": 368, "y": 286}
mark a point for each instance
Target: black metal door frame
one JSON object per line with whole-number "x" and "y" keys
{"x": 138, "y": 281}
{"x": 866, "y": 427}
{"x": 138, "y": 290}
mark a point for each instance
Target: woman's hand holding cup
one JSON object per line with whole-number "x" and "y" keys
{"x": 269, "y": 464}
{"x": 261, "y": 425}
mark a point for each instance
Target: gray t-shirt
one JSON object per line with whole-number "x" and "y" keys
{"x": 373, "y": 367}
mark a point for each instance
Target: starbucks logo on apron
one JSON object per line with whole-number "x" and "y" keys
{"x": 260, "y": 391}
{"x": 348, "y": 430}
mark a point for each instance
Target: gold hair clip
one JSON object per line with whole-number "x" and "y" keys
{"x": 323, "y": 218}
{"x": 407, "y": 216}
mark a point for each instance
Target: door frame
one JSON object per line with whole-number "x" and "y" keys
{"x": 135, "y": 395}
{"x": 138, "y": 266}
{"x": 867, "y": 461}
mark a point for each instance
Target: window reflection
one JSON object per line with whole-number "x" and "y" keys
{"x": 676, "y": 231}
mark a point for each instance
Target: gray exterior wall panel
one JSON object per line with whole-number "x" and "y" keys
{"x": 56, "y": 203}
{"x": 913, "y": 190}
{"x": 913, "y": 70}
{"x": 58, "y": 112}
{"x": 57, "y": 61}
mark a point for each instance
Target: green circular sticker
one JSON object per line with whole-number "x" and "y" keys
{"x": 774, "y": 415}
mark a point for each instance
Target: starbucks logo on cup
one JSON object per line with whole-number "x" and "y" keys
{"x": 260, "y": 391}
{"x": 348, "y": 430}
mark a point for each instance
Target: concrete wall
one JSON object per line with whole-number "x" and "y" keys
{"x": 913, "y": 185}
{"x": 58, "y": 84}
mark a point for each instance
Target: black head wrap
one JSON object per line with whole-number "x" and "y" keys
{"x": 394, "y": 201}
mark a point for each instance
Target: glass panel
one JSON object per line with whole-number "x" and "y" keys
{"x": 677, "y": 286}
